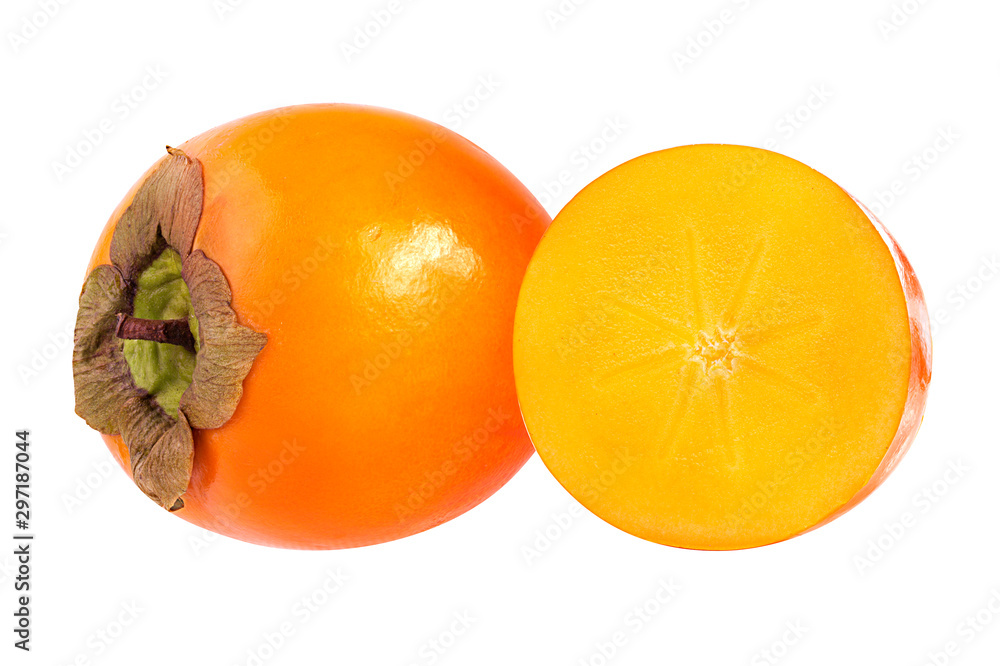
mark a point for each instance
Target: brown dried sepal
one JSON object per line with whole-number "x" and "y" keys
{"x": 165, "y": 212}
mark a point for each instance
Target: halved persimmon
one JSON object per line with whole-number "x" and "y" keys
{"x": 716, "y": 347}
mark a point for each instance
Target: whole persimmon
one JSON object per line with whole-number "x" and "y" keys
{"x": 296, "y": 328}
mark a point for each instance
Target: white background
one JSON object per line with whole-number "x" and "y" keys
{"x": 862, "y": 590}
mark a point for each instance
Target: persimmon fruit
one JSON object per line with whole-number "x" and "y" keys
{"x": 296, "y": 328}
{"x": 716, "y": 347}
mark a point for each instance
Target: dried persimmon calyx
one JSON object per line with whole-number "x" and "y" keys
{"x": 158, "y": 350}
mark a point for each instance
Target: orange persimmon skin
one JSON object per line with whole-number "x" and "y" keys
{"x": 382, "y": 256}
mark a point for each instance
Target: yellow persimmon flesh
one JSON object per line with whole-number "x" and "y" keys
{"x": 717, "y": 347}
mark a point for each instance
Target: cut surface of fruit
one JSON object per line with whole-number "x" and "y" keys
{"x": 716, "y": 347}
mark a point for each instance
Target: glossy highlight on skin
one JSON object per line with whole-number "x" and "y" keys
{"x": 381, "y": 255}
{"x": 716, "y": 347}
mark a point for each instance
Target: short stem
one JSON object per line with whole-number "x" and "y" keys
{"x": 171, "y": 331}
